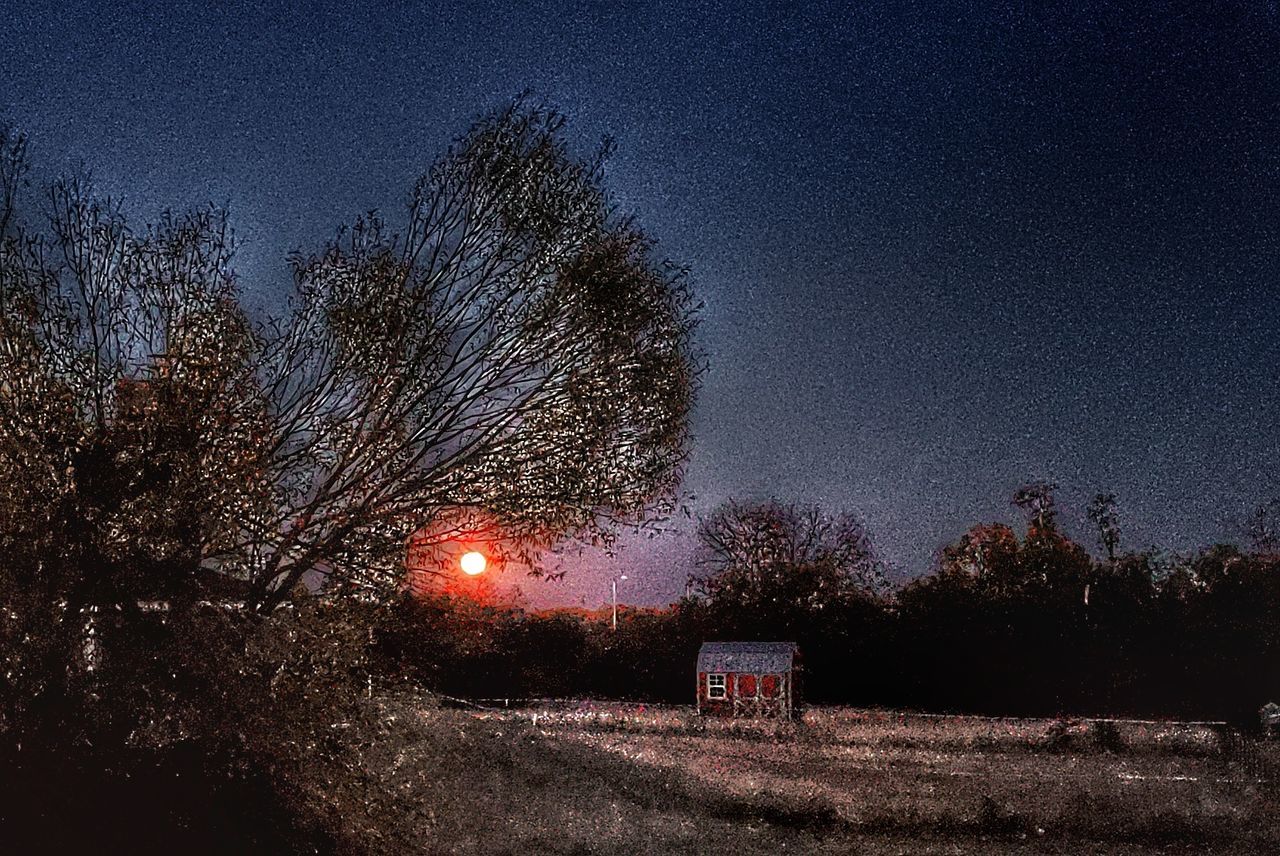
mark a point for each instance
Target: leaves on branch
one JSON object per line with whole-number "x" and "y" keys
{"x": 513, "y": 352}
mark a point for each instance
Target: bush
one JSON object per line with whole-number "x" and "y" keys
{"x": 194, "y": 729}
{"x": 1106, "y": 735}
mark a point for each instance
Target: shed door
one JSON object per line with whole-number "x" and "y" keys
{"x": 746, "y": 686}
{"x": 769, "y": 686}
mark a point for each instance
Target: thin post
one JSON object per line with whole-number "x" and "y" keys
{"x": 614, "y": 584}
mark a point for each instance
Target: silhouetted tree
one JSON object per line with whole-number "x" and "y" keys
{"x": 784, "y": 555}
{"x": 1262, "y": 528}
{"x": 514, "y": 351}
{"x": 980, "y": 552}
{"x": 1037, "y": 501}
{"x": 1103, "y": 513}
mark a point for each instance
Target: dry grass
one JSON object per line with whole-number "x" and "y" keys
{"x": 882, "y": 777}
{"x": 573, "y": 779}
{"x": 441, "y": 781}
{"x": 880, "y": 727}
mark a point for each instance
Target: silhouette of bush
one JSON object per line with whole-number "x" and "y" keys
{"x": 1106, "y": 735}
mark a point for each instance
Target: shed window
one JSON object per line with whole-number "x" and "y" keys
{"x": 715, "y": 686}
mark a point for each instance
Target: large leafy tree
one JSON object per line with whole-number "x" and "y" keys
{"x": 513, "y": 350}
{"x": 512, "y": 353}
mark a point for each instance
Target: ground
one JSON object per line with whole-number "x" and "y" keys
{"x": 589, "y": 777}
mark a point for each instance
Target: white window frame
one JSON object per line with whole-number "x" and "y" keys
{"x": 717, "y": 681}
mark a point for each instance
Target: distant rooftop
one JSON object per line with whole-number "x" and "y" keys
{"x": 755, "y": 657}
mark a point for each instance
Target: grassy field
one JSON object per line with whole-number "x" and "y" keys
{"x": 591, "y": 778}
{"x": 406, "y": 775}
{"x": 879, "y": 782}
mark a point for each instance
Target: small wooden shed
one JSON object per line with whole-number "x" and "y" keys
{"x": 748, "y": 679}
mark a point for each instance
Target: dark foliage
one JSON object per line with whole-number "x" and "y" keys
{"x": 200, "y": 510}
{"x": 187, "y": 732}
{"x": 1004, "y": 625}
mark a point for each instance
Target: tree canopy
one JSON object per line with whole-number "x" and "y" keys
{"x": 512, "y": 351}
{"x": 779, "y": 556}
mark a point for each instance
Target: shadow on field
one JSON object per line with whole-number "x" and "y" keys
{"x": 1046, "y": 783}
{"x": 492, "y": 786}
{"x": 595, "y": 756}
{"x": 177, "y": 801}
{"x": 411, "y": 778}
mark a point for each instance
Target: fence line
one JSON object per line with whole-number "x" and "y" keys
{"x": 500, "y": 704}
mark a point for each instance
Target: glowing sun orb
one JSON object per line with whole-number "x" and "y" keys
{"x": 472, "y": 563}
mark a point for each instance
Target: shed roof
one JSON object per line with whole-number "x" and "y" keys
{"x": 757, "y": 657}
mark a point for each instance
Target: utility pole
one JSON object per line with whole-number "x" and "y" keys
{"x": 615, "y": 600}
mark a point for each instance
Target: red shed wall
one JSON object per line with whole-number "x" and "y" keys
{"x": 772, "y": 692}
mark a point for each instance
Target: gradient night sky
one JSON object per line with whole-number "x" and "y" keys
{"x": 944, "y": 249}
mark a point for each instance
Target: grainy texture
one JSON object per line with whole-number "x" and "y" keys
{"x": 891, "y": 782}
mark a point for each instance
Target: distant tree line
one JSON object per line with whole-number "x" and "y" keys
{"x": 1002, "y": 624}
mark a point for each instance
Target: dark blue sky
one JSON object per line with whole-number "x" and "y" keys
{"x": 944, "y": 248}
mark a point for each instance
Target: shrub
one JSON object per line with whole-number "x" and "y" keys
{"x": 1106, "y": 735}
